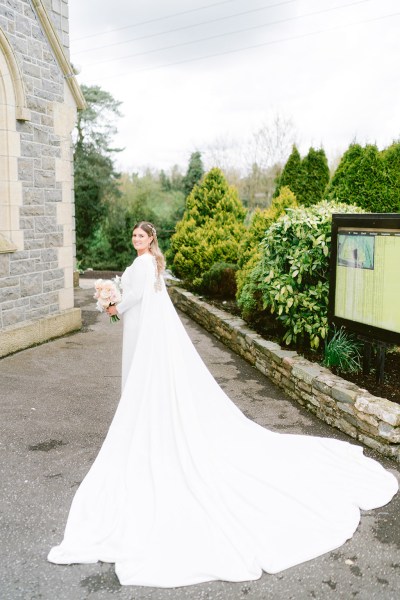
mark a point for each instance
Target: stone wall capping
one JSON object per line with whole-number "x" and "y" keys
{"x": 278, "y": 356}
{"x": 264, "y": 347}
{"x": 237, "y": 321}
{"x": 369, "y": 419}
{"x": 345, "y": 394}
{"x": 325, "y": 382}
{"x": 386, "y": 411}
{"x": 306, "y": 371}
{"x": 290, "y": 361}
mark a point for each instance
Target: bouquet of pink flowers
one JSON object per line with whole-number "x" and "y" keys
{"x": 108, "y": 293}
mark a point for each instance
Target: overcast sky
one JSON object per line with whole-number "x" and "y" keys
{"x": 192, "y": 72}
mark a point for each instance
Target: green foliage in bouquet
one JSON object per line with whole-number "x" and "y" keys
{"x": 209, "y": 232}
{"x": 291, "y": 278}
{"x": 249, "y": 247}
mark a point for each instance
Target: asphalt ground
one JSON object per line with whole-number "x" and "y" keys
{"x": 56, "y": 403}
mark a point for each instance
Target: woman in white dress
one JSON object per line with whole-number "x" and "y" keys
{"x": 185, "y": 488}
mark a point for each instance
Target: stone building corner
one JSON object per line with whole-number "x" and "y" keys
{"x": 39, "y": 97}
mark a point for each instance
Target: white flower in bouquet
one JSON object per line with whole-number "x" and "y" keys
{"x": 107, "y": 293}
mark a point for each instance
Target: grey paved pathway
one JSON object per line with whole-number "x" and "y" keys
{"x": 56, "y": 403}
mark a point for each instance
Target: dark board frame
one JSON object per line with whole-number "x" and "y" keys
{"x": 383, "y": 221}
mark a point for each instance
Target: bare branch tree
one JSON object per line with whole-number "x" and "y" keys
{"x": 272, "y": 143}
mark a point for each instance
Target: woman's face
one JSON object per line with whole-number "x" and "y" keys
{"x": 140, "y": 239}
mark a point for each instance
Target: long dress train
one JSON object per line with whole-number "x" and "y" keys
{"x": 186, "y": 489}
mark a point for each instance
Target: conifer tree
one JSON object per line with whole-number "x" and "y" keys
{"x": 164, "y": 181}
{"x": 194, "y": 173}
{"x": 210, "y": 230}
{"x": 391, "y": 158}
{"x": 362, "y": 178}
{"x": 291, "y": 175}
{"x": 306, "y": 178}
{"x": 314, "y": 177}
{"x": 95, "y": 177}
{"x": 344, "y": 181}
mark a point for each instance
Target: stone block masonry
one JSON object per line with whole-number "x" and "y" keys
{"x": 373, "y": 421}
{"x": 37, "y": 114}
{"x": 58, "y": 13}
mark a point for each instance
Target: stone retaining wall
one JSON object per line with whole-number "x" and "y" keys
{"x": 373, "y": 421}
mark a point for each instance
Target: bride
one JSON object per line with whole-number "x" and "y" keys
{"x": 185, "y": 488}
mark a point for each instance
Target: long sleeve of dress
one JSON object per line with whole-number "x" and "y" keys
{"x": 134, "y": 284}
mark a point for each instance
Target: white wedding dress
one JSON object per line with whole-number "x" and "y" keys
{"x": 186, "y": 489}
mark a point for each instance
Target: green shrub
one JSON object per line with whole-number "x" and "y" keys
{"x": 290, "y": 279}
{"x": 209, "y": 232}
{"x": 249, "y": 247}
{"x": 220, "y": 281}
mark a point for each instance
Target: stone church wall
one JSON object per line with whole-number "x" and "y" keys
{"x": 38, "y": 103}
{"x": 58, "y": 13}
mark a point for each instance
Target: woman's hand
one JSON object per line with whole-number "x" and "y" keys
{"x": 112, "y": 310}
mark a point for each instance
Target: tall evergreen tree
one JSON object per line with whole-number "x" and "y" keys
{"x": 95, "y": 177}
{"x": 176, "y": 179}
{"x": 194, "y": 173}
{"x": 307, "y": 178}
{"x": 391, "y": 158}
{"x": 165, "y": 181}
{"x": 314, "y": 177}
{"x": 291, "y": 175}
{"x": 362, "y": 178}
{"x": 345, "y": 179}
